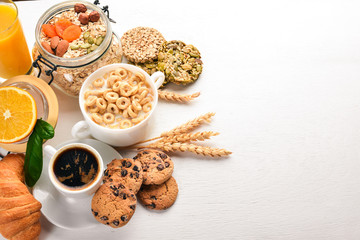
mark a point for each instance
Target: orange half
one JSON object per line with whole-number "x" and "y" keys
{"x": 18, "y": 114}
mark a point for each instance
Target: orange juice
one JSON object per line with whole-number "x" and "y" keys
{"x": 14, "y": 53}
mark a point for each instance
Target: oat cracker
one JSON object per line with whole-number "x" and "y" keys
{"x": 141, "y": 44}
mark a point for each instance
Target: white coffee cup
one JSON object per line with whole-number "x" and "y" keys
{"x": 116, "y": 137}
{"x": 71, "y": 191}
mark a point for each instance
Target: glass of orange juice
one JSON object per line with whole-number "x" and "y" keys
{"x": 14, "y": 53}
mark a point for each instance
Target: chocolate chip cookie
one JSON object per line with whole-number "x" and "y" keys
{"x": 113, "y": 204}
{"x": 159, "y": 197}
{"x": 156, "y": 165}
{"x": 126, "y": 171}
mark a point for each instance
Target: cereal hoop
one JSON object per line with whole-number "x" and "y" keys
{"x": 154, "y": 82}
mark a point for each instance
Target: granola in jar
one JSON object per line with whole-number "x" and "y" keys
{"x": 90, "y": 33}
{"x": 70, "y": 79}
{"x": 76, "y": 38}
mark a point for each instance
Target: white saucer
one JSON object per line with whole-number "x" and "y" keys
{"x": 66, "y": 212}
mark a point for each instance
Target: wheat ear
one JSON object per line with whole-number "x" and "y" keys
{"x": 184, "y": 137}
{"x": 175, "y": 97}
{"x": 188, "y": 147}
{"x": 188, "y": 126}
{"x": 188, "y": 137}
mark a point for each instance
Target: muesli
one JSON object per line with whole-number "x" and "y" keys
{"x": 54, "y": 36}
{"x": 81, "y": 28}
{"x": 71, "y": 79}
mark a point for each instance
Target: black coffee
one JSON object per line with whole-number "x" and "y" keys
{"x": 76, "y": 167}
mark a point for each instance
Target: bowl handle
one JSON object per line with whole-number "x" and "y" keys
{"x": 81, "y": 130}
{"x": 158, "y": 78}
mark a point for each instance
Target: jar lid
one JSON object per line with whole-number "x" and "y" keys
{"x": 51, "y": 109}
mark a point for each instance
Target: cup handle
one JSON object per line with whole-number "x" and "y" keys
{"x": 158, "y": 78}
{"x": 80, "y": 130}
{"x": 49, "y": 151}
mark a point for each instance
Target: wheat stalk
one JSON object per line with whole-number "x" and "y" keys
{"x": 182, "y": 137}
{"x": 185, "y": 137}
{"x": 145, "y": 141}
{"x": 188, "y": 126}
{"x": 188, "y": 147}
{"x": 171, "y": 96}
{"x": 188, "y": 137}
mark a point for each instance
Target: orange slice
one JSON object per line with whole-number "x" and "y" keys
{"x": 17, "y": 114}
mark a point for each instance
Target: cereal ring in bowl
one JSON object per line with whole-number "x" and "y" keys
{"x": 126, "y": 121}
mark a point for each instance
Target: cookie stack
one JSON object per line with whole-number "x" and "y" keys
{"x": 148, "y": 175}
{"x": 159, "y": 189}
{"x": 147, "y": 48}
{"x": 114, "y": 203}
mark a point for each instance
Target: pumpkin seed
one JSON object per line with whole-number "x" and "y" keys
{"x": 74, "y": 46}
{"x": 194, "y": 54}
{"x": 186, "y": 66}
{"x": 85, "y": 45}
{"x": 93, "y": 47}
{"x": 86, "y": 35}
{"x": 99, "y": 40}
{"x": 90, "y": 40}
{"x": 150, "y": 65}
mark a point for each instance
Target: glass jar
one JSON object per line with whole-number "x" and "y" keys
{"x": 47, "y": 107}
{"x": 68, "y": 73}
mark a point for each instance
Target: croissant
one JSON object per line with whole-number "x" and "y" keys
{"x": 19, "y": 210}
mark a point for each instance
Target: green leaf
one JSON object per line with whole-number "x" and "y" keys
{"x": 34, "y": 153}
{"x": 33, "y": 159}
{"x": 44, "y": 129}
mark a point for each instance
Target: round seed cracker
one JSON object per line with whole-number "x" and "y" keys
{"x": 141, "y": 44}
{"x": 180, "y": 63}
{"x": 150, "y": 67}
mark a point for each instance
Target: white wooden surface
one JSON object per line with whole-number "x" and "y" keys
{"x": 284, "y": 80}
